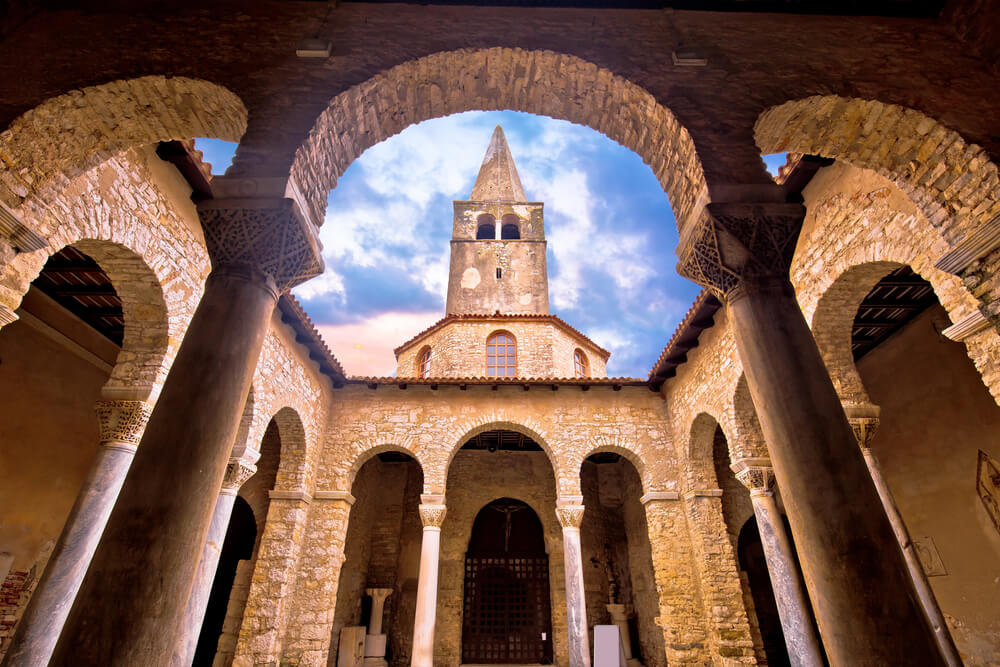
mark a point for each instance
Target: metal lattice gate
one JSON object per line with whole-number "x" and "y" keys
{"x": 506, "y": 616}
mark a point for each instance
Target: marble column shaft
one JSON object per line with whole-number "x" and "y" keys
{"x": 782, "y": 566}
{"x": 864, "y": 429}
{"x": 122, "y": 423}
{"x": 865, "y": 605}
{"x": 432, "y": 515}
{"x": 570, "y": 516}
{"x": 237, "y": 472}
{"x": 378, "y": 596}
{"x": 134, "y": 595}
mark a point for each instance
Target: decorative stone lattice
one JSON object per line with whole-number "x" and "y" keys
{"x": 274, "y": 239}
{"x": 238, "y": 471}
{"x": 734, "y": 243}
{"x": 432, "y": 516}
{"x": 123, "y": 422}
{"x": 570, "y": 516}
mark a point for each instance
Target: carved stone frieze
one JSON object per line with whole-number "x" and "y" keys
{"x": 432, "y": 516}
{"x": 266, "y": 235}
{"x": 756, "y": 474}
{"x": 238, "y": 472}
{"x": 122, "y": 422}
{"x": 570, "y": 516}
{"x": 736, "y": 243}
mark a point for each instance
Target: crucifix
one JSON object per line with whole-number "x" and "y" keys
{"x": 507, "y": 510}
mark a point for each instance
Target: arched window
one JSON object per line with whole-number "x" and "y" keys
{"x": 501, "y": 355}
{"x": 511, "y": 228}
{"x": 580, "y": 365}
{"x": 487, "y": 227}
{"x": 424, "y": 363}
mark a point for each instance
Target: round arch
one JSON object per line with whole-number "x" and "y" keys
{"x": 145, "y": 356}
{"x": 292, "y": 463}
{"x": 627, "y": 453}
{"x": 749, "y": 440}
{"x": 539, "y": 82}
{"x": 368, "y": 453}
{"x": 436, "y": 470}
{"x": 70, "y": 133}
{"x": 954, "y": 183}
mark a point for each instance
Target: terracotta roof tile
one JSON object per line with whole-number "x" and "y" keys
{"x": 308, "y": 336}
{"x": 698, "y": 318}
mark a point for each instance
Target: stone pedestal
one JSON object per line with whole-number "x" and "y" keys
{"x": 782, "y": 566}
{"x": 620, "y": 619}
{"x": 570, "y": 514}
{"x": 237, "y": 472}
{"x": 432, "y": 513}
{"x": 856, "y": 576}
{"x": 129, "y": 614}
{"x": 122, "y": 424}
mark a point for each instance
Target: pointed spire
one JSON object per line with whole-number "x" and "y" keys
{"x": 498, "y": 179}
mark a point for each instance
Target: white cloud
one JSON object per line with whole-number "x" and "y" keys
{"x": 366, "y": 348}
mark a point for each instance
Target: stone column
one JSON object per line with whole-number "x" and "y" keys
{"x": 858, "y": 582}
{"x": 618, "y": 617}
{"x": 122, "y": 424}
{"x": 237, "y": 472}
{"x": 375, "y": 640}
{"x": 569, "y": 511}
{"x": 432, "y": 513}
{"x": 782, "y": 565}
{"x": 128, "y": 613}
{"x": 864, "y": 421}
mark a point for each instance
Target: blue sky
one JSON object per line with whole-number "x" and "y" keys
{"x": 611, "y": 237}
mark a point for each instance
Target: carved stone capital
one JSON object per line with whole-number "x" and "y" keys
{"x": 432, "y": 516}
{"x": 756, "y": 474}
{"x": 6, "y": 316}
{"x": 378, "y": 594}
{"x": 122, "y": 422}
{"x": 570, "y": 516}
{"x": 238, "y": 472}
{"x": 269, "y": 236}
{"x": 864, "y": 421}
{"x": 736, "y": 243}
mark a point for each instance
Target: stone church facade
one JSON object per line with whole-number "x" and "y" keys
{"x": 796, "y": 478}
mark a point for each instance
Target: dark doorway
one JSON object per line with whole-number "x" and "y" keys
{"x": 506, "y": 617}
{"x": 240, "y": 538}
{"x": 750, "y": 552}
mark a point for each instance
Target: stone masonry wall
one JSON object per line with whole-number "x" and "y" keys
{"x": 458, "y": 349}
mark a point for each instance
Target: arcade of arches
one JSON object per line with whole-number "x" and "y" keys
{"x": 808, "y": 475}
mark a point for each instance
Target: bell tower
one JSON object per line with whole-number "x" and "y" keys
{"x": 498, "y": 243}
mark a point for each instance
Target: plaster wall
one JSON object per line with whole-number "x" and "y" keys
{"x": 935, "y": 416}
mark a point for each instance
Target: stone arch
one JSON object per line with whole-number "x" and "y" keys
{"x": 953, "y": 182}
{"x": 368, "y": 453}
{"x": 243, "y": 448}
{"x": 438, "y": 463}
{"x": 539, "y": 82}
{"x": 68, "y": 134}
{"x": 700, "y": 466}
{"x": 626, "y": 452}
{"x": 748, "y": 439}
{"x": 292, "y": 463}
{"x": 143, "y": 361}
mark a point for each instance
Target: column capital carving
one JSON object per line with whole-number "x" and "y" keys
{"x": 6, "y": 315}
{"x": 264, "y": 235}
{"x": 736, "y": 243}
{"x": 756, "y": 474}
{"x": 864, "y": 421}
{"x": 378, "y": 594}
{"x": 570, "y": 516}
{"x": 238, "y": 471}
{"x": 432, "y": 516}
{"x": 122, "y": 422}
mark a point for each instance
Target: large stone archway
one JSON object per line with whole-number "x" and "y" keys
{"x": 539, "y": 82}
